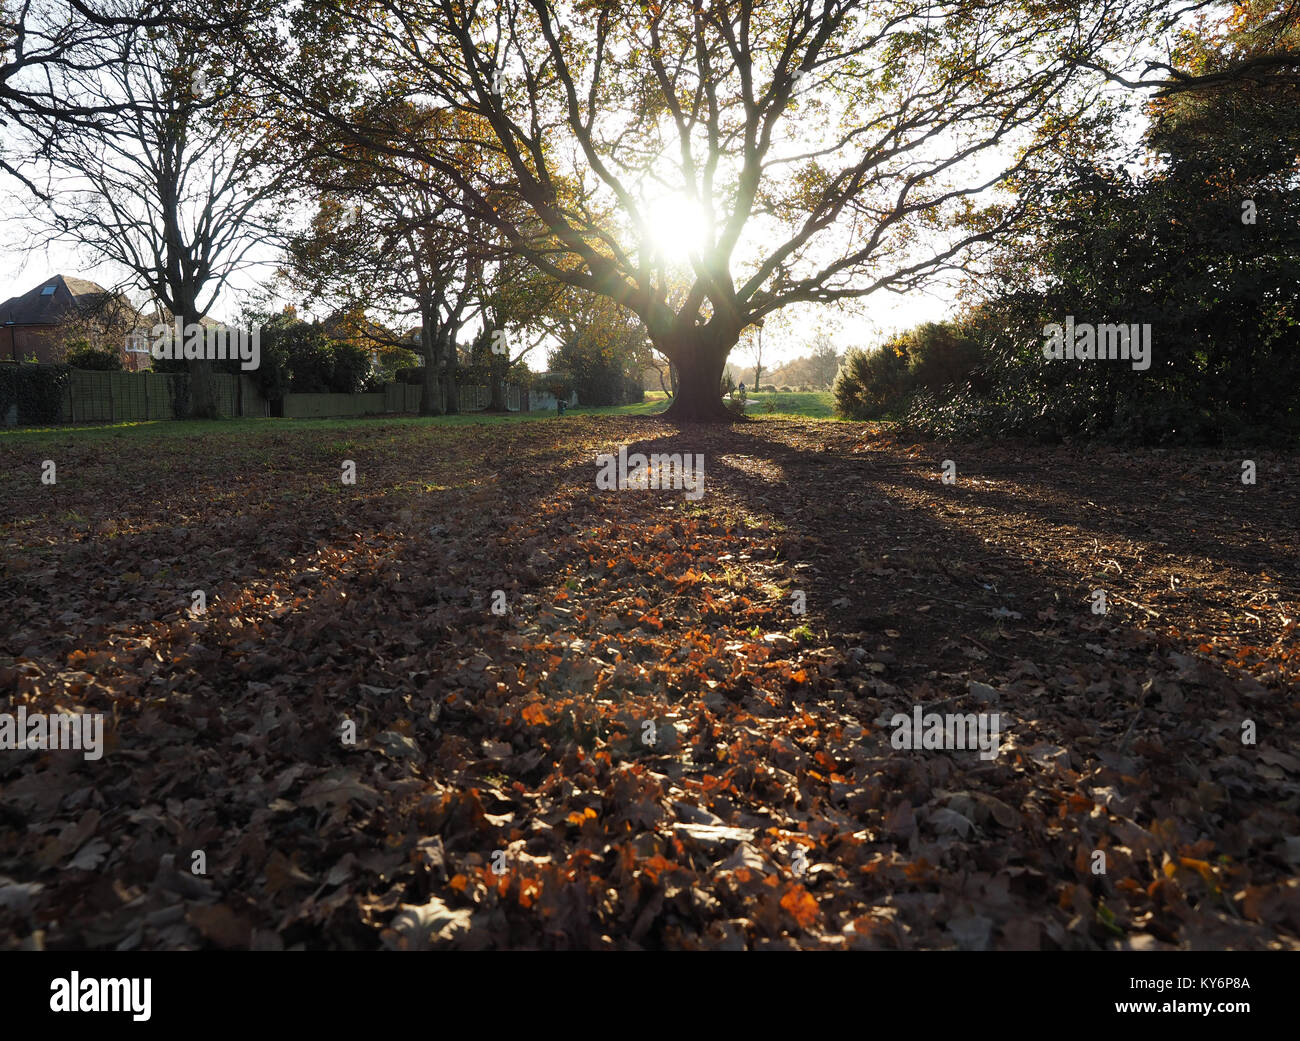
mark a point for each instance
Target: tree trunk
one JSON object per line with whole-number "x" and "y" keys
{"x": 203, "y": 391}
{"x": 203, "y": 387}
{"x": 698, "y": 397}
{"x": 430, "y": 391}
{"x": 451, "y": 389}
{"x": 497, "y": 383}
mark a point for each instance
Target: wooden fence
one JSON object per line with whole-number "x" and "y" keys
{"x": 112, "y": 397}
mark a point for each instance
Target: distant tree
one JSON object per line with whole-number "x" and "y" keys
{"x": 387, "y": 239}
{"x": 825, "y": 362}
{"x": 754, "y": 346}
{"x": 602, "y": 346}
{"x": 181, "y": 185}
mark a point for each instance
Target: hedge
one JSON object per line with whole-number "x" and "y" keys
{"x": 32, "y": 394}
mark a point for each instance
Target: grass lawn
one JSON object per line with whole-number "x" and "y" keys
{"x": 189, "y": 428}
{"x": 810, "y": 406}
{"x": 817, "y": 404}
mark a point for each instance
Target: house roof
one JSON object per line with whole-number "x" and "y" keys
{"x": 35, "y": 308}
{"x": 161, "y": 316}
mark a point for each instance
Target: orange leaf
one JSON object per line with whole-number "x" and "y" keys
{"x": 802, "y": 906}
{"x": 535, "y": 715}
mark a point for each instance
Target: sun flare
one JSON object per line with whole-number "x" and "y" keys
{"x": 675, "y": 227}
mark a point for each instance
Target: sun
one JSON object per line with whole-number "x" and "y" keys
{"x": 676, "y": 226}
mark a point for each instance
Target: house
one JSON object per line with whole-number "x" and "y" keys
{"x": 41, "y": 323}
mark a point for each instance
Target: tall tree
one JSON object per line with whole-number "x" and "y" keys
{"x": 708, "y": 164}
{"x": 755, "y": 345}
{"x": 181, "y": 184}
{"x": 522, "y": 307}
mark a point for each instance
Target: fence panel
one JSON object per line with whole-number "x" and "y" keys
{"x": 108, "y": 397}
{"x": 117, "y": 397}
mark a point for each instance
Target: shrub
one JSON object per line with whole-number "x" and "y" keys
{"x": 939, "y": 359}
{"x": 560, "y": 384}
{"x": 81, "y": 355}
{"x": 869, "y": 385}
{"x": 940, "y": 356}
{"x": 298, "y": 357}
{"x": 785, "y": 390}
{"x": 32, "y": 394}
{"x": 350, "y": 366}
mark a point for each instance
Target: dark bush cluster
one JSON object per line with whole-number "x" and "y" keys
{"x": 935, "y": 360}
{"x": 32, "y": 394}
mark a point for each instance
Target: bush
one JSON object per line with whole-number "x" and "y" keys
{"x": 31, "y": 394}
{"x": 311, "y": 362}
{"x": 560, "y": 384}
{"x": 941, "y": 357}
{"x": 939, "y": 360}
{"x": 298, "y": 357}
{"x": 785, "y": 390}
{"x": 81, "y": 355}
{"x": 870, "y": 385}
{"x": 349, "y": 368}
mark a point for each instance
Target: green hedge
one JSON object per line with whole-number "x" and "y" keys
{"x": 32, "y": 394}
